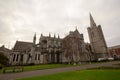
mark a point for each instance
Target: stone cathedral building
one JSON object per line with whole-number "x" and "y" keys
{"x": 70, "y": 49}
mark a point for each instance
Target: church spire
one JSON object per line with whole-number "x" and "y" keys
{"x": 92, "y": 22}
{"x": 34, "y": 39}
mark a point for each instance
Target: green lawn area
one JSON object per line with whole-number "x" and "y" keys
{"x": 41, "y": 67}
{"x": 45, "y": 66}
{"x": 81, "y": 75}
{"x": 0, "y": 71}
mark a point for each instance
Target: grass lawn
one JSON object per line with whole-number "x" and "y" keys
{"x": 0, "y": 71}
{"x": 40, "y": 67}
{"x": 81, "y": 75}
{"x": 45, "y": 66}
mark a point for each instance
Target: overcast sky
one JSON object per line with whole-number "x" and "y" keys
{"x": 20, "y": 19}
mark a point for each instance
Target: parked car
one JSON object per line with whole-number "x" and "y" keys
{"x": 110, "y": 58}
{"x": 102, "y": 59}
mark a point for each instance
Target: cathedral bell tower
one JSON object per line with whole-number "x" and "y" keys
{"x": 97, "y": 41}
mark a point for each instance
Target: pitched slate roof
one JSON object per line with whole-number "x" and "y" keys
{"x": 22, "y": 46}
{"x": 4, "y": 50}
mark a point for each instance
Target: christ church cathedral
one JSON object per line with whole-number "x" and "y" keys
{"x": 70, "y": 49}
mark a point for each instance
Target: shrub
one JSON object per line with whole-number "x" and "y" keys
{"x": 3, "y": 59}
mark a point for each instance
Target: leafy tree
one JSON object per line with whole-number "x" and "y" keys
{"x": 3, "y": 59}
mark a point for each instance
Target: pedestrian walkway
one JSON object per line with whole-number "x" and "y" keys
{"x": 13, "y": 76}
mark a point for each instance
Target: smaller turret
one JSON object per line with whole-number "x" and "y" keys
{"x": 54, "y": 36}
{"x": 34, "y": 39}
{"x": 49, "y": 35}
{"x": 41, "y": 35}
{"x": 58, "y": 36}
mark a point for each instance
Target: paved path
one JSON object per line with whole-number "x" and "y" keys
{"x": 13, "y": 76}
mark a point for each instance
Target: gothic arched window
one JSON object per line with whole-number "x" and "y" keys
{"x": 92, "y": 34}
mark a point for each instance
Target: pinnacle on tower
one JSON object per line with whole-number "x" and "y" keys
{"x": 41, "y": 35}
{"x": 49, "y": 35}
{"x": 76, "y": 27}
{"x": 34, "y": 38}
{"x": 92, "y": 22}
{"x": 76, "y": 31}
{"x": 58, "y": 36}
{"x": 54, "y": 36}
